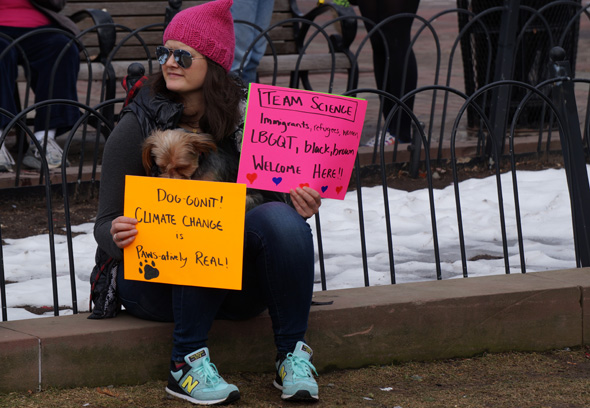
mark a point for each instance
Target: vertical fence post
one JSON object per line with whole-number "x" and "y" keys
{"x": 172, "y": 8}
{"x": 573, "y": 153}
{"x": 503, "y": 69}
{"x": 2, "y": 282}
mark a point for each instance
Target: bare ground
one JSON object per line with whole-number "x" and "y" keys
{"x": 553, "y": 379}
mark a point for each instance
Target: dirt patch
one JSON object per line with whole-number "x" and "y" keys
{"x": 398, "y": 176}
{"x": 25, "y": 215}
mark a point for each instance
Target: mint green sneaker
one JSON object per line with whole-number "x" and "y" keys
{"x": 294, "y": 375}
{"x": 199, "y": 382}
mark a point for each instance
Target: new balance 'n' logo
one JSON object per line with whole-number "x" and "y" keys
{"x": 190, "y": 383}
{"x": 282, "y": 373}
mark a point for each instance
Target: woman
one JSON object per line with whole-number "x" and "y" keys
{"x": 194, "y": 91}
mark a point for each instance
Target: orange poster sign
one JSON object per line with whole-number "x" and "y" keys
{"x": 190, "y": 232}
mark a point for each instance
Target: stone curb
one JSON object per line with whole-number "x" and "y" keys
{"x": 364, "y": 326}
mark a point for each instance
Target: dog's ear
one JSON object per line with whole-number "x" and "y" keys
{"x": 146, "y": 155}
{"x": 204, "y": 143}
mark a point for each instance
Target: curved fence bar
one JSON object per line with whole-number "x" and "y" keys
{"x": 44, "y": 174}
{"x": 66, "y": 197}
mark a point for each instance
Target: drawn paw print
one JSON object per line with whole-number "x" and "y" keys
{"x": 151, "y": 271}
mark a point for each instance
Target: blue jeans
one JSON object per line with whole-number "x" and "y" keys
{"x": 41, "y": 51}
{"x": 258, "y": 12}
{"x": 278, "y": 274}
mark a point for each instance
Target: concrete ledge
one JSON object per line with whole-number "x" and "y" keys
{"x": 376, "y": 325}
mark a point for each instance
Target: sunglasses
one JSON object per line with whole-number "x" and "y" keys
{"x": 183, "y": 58}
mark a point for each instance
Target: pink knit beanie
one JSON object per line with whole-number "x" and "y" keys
{"x": 208, "y": 28}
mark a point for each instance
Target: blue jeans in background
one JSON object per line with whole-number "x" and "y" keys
{"x": 42, "y": 51}
{"x": 258, "y": 12}
{"x": 278, "y": 274}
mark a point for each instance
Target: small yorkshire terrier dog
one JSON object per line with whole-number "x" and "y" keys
{"x": 178, "y": 154}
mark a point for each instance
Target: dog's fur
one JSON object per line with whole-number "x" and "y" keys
{"x": 177, "y": 154}
{"x": 183, "y": 155}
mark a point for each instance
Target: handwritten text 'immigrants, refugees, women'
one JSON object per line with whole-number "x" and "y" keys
{"x": 295, "y": 138}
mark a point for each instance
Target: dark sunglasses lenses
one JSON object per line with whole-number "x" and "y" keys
{"x": 162, "y": 54}
{"x": 182, "y": 57}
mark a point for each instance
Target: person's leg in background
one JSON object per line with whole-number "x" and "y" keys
{"x": 8, "y": 76}
{"x": 398, "y": 37}
{"x": 258, "y": 12}
{"x": 43, "y": 52}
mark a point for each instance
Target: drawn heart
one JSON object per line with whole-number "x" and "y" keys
{"x": 304, "y": 185}
{"x": 338, "y": 189}
{"x": 324, "y": 188}
{"x": 277, "y": 180}
{"x": 251, "y": 177}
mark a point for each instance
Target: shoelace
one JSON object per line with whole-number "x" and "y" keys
{"x": 5, "y": 156}
{"x": 36, "y": 153}
{"x": 51, "y": 146}
{"x": 301, "y": 368}
{"x": 209, "y": 371}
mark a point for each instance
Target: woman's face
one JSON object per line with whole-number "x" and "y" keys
{"x": 184, "y": 81}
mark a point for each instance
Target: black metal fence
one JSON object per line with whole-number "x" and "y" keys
{"x": 443, "y": 112}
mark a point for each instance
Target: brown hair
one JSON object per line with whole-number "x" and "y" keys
{"x": 223, "y": 94}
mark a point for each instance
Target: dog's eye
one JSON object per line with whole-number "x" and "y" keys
{"x": 155, "y": 171}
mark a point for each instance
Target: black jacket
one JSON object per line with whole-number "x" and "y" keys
{"x": 154, "y": 111}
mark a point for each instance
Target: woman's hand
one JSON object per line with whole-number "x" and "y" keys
{"x": 306, "y": 200}
{"x": 123, "y": 231}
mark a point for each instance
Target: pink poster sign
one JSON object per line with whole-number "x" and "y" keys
{"x": 294, "y": 138}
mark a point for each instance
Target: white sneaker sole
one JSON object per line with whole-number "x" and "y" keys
{"x": 300, "y": 395}
{"x": 230, "y": 398}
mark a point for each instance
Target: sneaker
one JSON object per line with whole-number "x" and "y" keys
{"x": 389, "y": 140}
{"x": 53, "y": 155}
{"x": 6, "y": 160}
{"x": 294, "y": 375}
{"x": 198, "y": 381}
